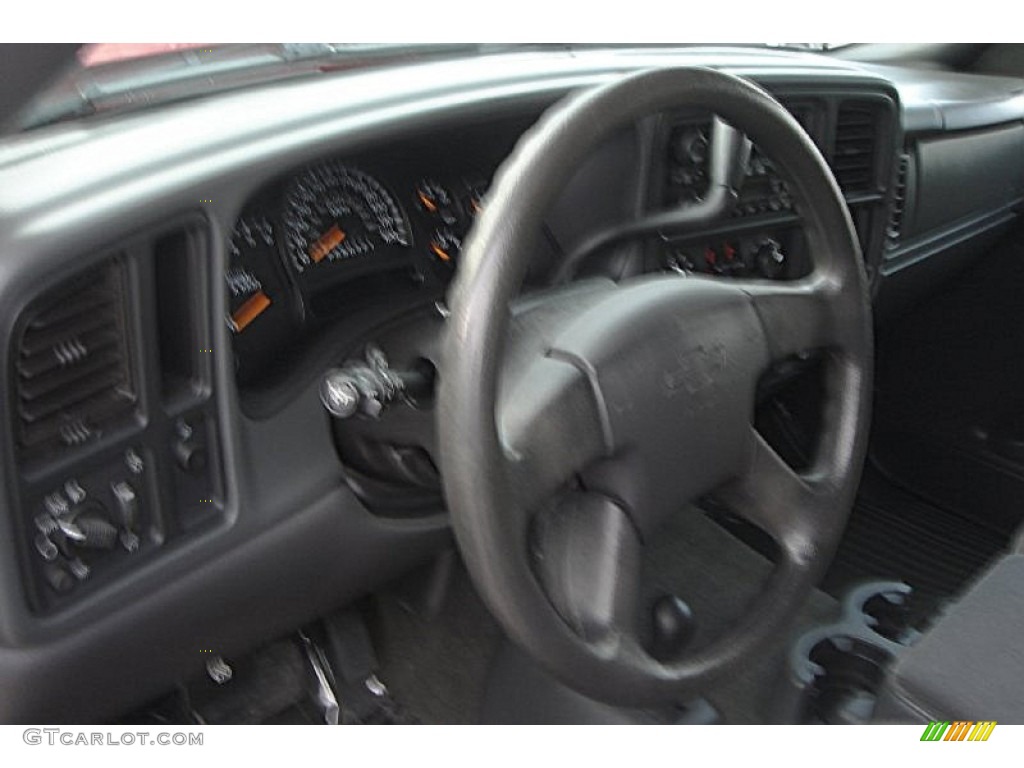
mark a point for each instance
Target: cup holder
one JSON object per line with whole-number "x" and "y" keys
{"x": 890, "y": 616}
{"x": 848, "y": 675}
{"x": 835, "y": 672}
{"x": 891, "y": 609}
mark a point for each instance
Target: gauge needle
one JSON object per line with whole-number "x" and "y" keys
{"x": 326, "y": 243}
{"x": 429, "y": 204}
{"x": 251, "y": 308}
{"x": 440, "y": 252}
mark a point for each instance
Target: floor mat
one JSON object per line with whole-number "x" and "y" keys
{"x": 720, "y": 576}
{"x": 438, "y": 667}
{"x": 893, "y": 534}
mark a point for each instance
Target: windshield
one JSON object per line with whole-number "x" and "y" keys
{"x": 110, "y": 77}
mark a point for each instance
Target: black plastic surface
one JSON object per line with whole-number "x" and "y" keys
{"x": 952, "y": 101}
{"x": 965, "y": 174}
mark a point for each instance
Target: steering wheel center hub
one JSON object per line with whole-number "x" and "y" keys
{"x": 673, "y": 366}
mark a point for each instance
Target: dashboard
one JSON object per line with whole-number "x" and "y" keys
{"x": 347, "y": 237}
{"x": 229, "y": 262}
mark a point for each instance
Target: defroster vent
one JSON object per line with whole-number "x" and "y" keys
{"x": 71, "y": 364}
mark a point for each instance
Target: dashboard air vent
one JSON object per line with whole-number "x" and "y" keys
{"x": 853, "y": 157}
{"x": 894, "y": 226}
{"x": 71, "y": 364}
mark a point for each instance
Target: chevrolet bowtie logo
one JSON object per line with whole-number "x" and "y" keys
{"x": 696, "y": 369}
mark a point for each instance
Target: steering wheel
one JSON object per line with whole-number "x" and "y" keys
{"x": 574, "y": 422}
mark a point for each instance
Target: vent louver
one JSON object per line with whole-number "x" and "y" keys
{"x": 71, "y": 364}
{"x": 853, "y": 157}
{"x": 894, "y": 227}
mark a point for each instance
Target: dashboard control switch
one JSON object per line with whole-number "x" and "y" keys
{"x": 75, "y": 492}
{"x": 134, "y": 461}
{"x": 126, "y": 504}
{"x": 58, "y": 578}
{"x": 70, "y": 530}
{"x": 45, "y": 524}
{"x": 189, "y": 452}
{"x": 97, "y": 532}
{"x": 45, "y": 547}
{"x": 129, "y": 540}
{"x": 79, "y": 569}
{"x": 56, "y": 504}
{"x": 191, "y": 456}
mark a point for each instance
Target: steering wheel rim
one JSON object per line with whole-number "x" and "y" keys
{"x": 511, "y": 435}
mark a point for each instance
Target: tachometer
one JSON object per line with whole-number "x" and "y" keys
{"x": 334, "y": 213}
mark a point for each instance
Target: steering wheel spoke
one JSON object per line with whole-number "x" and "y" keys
{"x": 786, "y": 504}
{"x": 550, "y": 428}
{"x": 587, "y": 558}
{"x": 796, "y": 316}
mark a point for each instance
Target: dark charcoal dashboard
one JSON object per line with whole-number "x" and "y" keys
{"x": 168, "y": 311}
{"x": 347, "y": 235}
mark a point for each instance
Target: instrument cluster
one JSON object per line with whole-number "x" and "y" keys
{"x": 330, "y": 239}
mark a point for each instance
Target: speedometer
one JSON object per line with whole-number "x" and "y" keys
{"x": 334, "y": 213}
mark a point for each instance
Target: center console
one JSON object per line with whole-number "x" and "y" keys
{"x": 856, "y": 133}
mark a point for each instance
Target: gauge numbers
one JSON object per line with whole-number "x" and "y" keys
{"x": 248, "y": 297}
{"x": 334, "y": 213}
